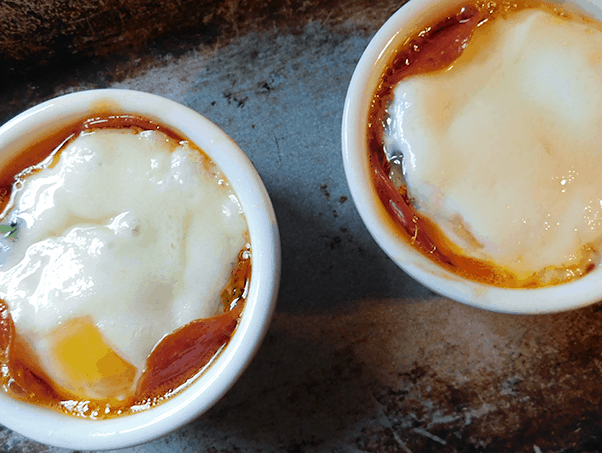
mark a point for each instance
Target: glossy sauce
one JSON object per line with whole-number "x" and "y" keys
{"x": 174, "y": 362}
{"x": 435, "y": 48}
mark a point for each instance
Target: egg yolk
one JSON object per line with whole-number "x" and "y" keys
{"x": 86, "y": 364}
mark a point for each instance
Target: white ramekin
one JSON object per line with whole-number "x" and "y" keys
{"x": 408, "y": 20}
{"x": 50, "y": 427}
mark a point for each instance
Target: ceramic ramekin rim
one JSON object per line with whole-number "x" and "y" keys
{"x": 53, "y": 428}
{"x": 578, "y": 293}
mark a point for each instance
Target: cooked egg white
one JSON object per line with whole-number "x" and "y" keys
{"x": 127, "y": 238}
{"x": 503, "y": 150}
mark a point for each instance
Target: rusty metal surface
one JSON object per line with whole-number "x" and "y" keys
{"x": 359, "y": 358}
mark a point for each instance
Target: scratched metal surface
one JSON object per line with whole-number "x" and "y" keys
{"x": 359, "y": 358}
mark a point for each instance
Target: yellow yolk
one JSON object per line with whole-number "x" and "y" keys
{"x": 86, "y": 365}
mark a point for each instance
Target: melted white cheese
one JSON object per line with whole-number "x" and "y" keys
{"x": 132, "y": 230}
{"x": 506, "y": 144}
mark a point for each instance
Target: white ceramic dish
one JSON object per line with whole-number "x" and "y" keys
{"x": 53, "y": 428}
{"x": 411, "y": 18}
